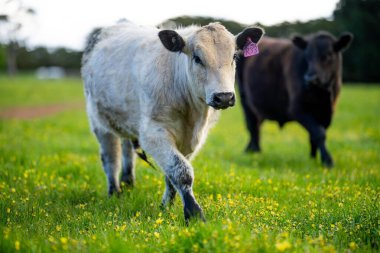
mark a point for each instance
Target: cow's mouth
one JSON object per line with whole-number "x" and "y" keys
{"x": 318, "y": 83}
{"x": 219, "y": 107}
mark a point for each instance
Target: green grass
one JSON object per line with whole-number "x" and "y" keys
{"x": 29, "y": 91}
{"x": 53, "y": 191}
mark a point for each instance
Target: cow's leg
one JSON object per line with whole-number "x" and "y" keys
{"x": 253, "y": 124}
{"x": 317, "y": 136}
{"x": 128, "y": 166}
{"x": 169, "y": 194}
{"x": 110, "y": 155}
{"x": 159, "y": 144}
{"x": 313, "y": 149}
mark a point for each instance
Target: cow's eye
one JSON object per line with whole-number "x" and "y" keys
{"x": 197, "y": 60}
{"x": 327, "y": 57}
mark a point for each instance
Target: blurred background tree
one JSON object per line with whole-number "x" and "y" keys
{"x": 31, "y": 59}
{"x": 13, "y": 18}
{"x": 362, "y": 18}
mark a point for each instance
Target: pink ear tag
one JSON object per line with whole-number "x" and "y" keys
{"x": 250, "y": 48}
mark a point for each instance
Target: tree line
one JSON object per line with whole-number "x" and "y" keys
{"x": 360, "y": 17}
{"x": 30, "y": 59}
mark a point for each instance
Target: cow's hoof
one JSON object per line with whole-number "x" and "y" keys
{"x": 114, "y": 192}
{"x": 192, "y": 211}
{"x": 165, "y": 205}
{"x": 127, "y": 182}
{"x": 252, "y": 149}
{"x": 328, "y": 162}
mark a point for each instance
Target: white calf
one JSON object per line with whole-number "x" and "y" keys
{"x": 162, "y": 89}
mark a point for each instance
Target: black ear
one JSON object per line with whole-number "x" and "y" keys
{"x": 254, "y": 33}
{"x": 171, "y": 40}
{"x": 343, "y": 42}
{"x": 300, "y": 42}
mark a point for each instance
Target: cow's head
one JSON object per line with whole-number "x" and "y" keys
{"x": 322, "y": 52}
{"x": 210, "y": 51}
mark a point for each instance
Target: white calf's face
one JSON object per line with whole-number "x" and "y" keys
{"x": 211, "y": 53}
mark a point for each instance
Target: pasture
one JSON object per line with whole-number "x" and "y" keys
{"x": 53, "y": 193}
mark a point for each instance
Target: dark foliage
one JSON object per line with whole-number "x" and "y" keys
{"x": 362, "y": 18}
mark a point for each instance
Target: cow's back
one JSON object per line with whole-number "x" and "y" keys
{"x": 266, "y": 83}
{"x": 120, "y": 55}
{"x": 122, "y": 67}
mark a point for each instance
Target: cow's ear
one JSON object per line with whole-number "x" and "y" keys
{"x": 252, "y": 33}
{"x": 343, "y": 42}
{"x": 171, "y": 40}
{"x": 299, "y": 42}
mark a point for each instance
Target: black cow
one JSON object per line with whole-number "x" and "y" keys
{"x": 296, "y": 79}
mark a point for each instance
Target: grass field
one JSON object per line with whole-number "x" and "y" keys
{"x": 53, "y": 191}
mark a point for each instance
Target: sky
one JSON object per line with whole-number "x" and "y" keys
{"x": 67, "y": 22}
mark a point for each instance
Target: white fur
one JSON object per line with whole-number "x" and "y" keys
{"x": 136, "y": 89}
{"x": 131, "y": 75}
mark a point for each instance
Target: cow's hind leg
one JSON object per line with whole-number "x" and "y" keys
{"x": 110, "y": 153}
{"x": 128, "y": 166}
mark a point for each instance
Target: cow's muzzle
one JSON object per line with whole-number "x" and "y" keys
{"x": 311, "y": 79}
{"x": 222, "y": 100}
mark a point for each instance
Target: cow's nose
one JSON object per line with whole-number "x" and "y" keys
{"x": 222, "y": 100}
{"x": 311, "y": 79}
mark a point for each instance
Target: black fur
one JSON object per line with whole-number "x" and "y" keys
{"x": 293, "y": 80}
{"x": 171, "y": 40}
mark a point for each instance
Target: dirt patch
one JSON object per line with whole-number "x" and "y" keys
{"x": 33, "y": 112}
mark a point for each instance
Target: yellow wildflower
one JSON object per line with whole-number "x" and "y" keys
{"x": 353, "y": 245}
{"x": 282, "y": 246}
{"x": 63, "y": 240}
{"x": 159, "y": 221}
{"x": 17, "y": 245}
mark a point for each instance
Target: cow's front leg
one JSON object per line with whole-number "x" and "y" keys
{"x": 169, "y": 194}
{"x": 313, "y": 149}
{"x": 317, "y": 137}
{"x": 159, "y": 144}
{"x": 253, "y": 124}
{"x": 181, "y": 175}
